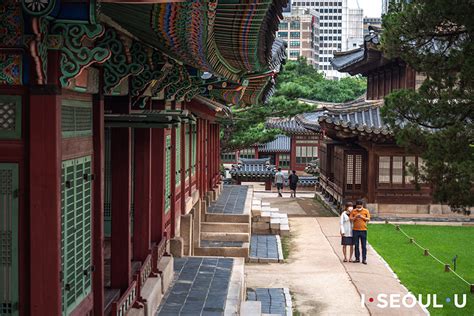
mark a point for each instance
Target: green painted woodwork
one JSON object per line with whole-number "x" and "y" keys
{"x": 75, "y": 55}
{"x": 152, "y": 63}
{"x": 117, "y": 67}
{"x": 194, "y": 149}
{"x": 178, "y": 156}
{"x": 9, "y": 296}
{"x": 168, "y": 174}
{"x": 76, "y": 232}
{"x": 187, "y": 148}
{"x": 10, "y": 117}
{"x": 107, "y": 184}
{"x": 76, "y": 118}
{"x": 172, "y": 78}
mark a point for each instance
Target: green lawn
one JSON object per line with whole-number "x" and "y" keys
{"x": 422, "y": 274}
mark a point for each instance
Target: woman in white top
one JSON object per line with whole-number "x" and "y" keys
{"x": 346, "y": 231}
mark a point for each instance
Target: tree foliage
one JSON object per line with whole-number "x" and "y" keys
{"x": 435, "y": 38}
{"x": 298, "y": 79}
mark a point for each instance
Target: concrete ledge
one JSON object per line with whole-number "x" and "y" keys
{"x": 251, "y": 308}
{"x": 225, "y": 236}
{"x": 227, "y": 218}
{"x": 239, "y": 252}
{"x": 236, "y": 289}
{"x": 136, "y": 312}
{"x": 153, "y": 294}
{"x": 225, "y": 227}
{"x": 167, "y": 272}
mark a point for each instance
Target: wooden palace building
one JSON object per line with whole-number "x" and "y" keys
{"x": 109, "y": 141}
{"x": 359, "y": 157}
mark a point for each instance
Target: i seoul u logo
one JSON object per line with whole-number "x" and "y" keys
{"x": 409, "y": 300}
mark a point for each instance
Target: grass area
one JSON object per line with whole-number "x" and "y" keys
{"x": 285, "y": 246}
{"x": 422, "y": 274}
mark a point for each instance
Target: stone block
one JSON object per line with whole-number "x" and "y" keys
{"x": 265, "y": 204}
{"x": 250, "y": 308}
{"x": 176, "y": 247}
{"x": 136, "y": 312}
{"x": 187, "y": 233}
{"x": 153, "y": 294}
{"x": 165, "y": 266}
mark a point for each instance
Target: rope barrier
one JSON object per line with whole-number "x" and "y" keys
{"x": 447, "y": 266}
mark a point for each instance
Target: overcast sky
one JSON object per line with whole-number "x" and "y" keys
{"x": 372, "y": 8}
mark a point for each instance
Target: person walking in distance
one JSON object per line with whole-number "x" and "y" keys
{"x": 360, "y": 216}
{"x": 279, "y": 181}
{"x": 293, "y": 182}
{"x": 346, "y": 231}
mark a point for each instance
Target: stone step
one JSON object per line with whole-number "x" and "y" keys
{"x": 251, "y": 308}
{"x": 227, "y": 218}
{"x": 225, "y": 227}
{"x": 240, "y": 252}
{"x": 220, "y": 236}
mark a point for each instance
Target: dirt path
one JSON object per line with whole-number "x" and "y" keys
{"x": 313, "y": 273}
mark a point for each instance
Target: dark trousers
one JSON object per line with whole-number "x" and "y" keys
{"x": 362, "y": 236}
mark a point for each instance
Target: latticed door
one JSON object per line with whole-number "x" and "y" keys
{"x": 76, "y": 238}
{"x": 9, "y": 299}
{"x": 168, "y": 174}
{"x": 108, "y": 183}
{"x": 178, "y": 156}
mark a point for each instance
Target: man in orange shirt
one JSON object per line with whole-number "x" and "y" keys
{"x": 360, "y": 217}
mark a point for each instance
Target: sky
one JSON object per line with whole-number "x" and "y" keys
{"x": 372, "y": 8}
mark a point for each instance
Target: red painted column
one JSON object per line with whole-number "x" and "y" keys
{"x": 157, "y": 184}
{"x": 98, "y": 206}
{"x": 142, "y": 195}
{"x": 45, "y": 201}
{"x": 293, "y": 154}
{"x": 121, "y": 197}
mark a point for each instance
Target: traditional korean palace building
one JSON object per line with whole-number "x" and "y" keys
{"x": 109, "y": 138}
{"x": 359, "y": 157}
{"x": 290, "y": 151}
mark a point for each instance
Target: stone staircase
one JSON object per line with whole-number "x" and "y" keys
{"x": 224, "y": 234}
{"x": 268, "y": 220}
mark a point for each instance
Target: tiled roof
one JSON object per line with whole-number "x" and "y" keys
{"x": 363, "y": 120}
{"x": 281, "y": 144}
{"x": 305, "y": 181}
{"x": 348, "y": 58}
{"x": 261, "y": 161}
{"x": 289, "y": 125}
{"x": 253, "y": 170}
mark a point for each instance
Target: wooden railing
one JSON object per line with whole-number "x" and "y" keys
{"x": 157, "y": 252}
{"x": 146, "y": 271}
{"x": 126, "y": 301}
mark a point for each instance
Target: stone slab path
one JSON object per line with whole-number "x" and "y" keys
{"x": 273, "y": 300}
{"x": 230, "y": 201}
{"x": 320, "y": 283}
{"x": 264, "y": 247}
{"x": 200, "y": 287}
{"x": 371, "y": 279}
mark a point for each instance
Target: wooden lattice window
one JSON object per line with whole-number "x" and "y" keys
{"x": 284, "y": 160}
{"x": 107, "y": 183}
{"x": 9, "y": 296}
{"x": 76, "y": 118}
{"x": 247, "y": 153}
{"x": 228, "y": 157}
{"x": 178, "y": 155}
{"x": 305, "y": 154}
{"x": 353, "y": 172}
{"x": 410, "y": 162}
{"x": 76, "y": 235}
{"x": 194, "y": 149}
{"x": 187, "y": 146}
{"x": 384, "y": 169}
{"x": 397, "y": 169}
{"x": 10, "y": 117}
{"x": 168, "y": 174}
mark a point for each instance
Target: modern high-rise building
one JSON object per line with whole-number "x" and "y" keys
{"x": 339, "y": 29}
{"x": 300, "y": 29}
{"x": 377, "y": 22}
{"x": 354, "y": 29}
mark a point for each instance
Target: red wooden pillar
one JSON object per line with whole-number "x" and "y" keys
{"x": 157, "y": 183}
{"x": 293, "y": 153}
{"x": 142, "y": 195}
{"x": 121, "y": 255}
{"x": 98, "y": 205}
{"x": 45, "y": 201}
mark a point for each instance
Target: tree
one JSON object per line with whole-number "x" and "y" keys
{"x": 435, "y": 38}
{"x": 246, "y": 127}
